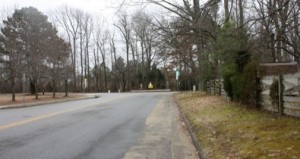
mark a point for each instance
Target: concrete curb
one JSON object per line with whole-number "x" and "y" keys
{"x": 24, "y": 105}
{"x": 190, "y": 130}
{"x": 151, "y": 90}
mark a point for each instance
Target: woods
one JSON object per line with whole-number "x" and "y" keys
{"x": 219, "y": 42}
{"x": 31, "y": 48}
{"x": 228, "y": 40}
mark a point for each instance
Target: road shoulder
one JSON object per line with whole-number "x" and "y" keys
{"x": 165, "y": 135}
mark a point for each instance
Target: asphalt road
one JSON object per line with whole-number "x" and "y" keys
{"x": 114, "y": 126}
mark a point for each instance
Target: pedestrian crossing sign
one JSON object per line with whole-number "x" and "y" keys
{"x": 150, "y": 86}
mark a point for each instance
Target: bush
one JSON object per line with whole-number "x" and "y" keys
{"x": 228, "y": 75}
{"x": 250, "y": 85}
{"x": 243, "y": 87}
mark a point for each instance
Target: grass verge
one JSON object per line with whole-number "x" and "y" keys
{"x": 5, "y": 99}
{"x": 226, "y": 130}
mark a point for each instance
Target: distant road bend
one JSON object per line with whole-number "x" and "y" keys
{"x": 115, "y": 126}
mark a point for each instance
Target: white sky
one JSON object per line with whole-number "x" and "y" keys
{"x": 106, "y": 7}
{"x": 103, "y": 7}
{"x": 45, "y": 5}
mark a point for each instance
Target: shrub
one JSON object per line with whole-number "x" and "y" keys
{"x": 243, "y": 86}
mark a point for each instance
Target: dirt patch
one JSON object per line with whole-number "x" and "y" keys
{"x": 226, "y": 130}
{"x": 5, "y": 99}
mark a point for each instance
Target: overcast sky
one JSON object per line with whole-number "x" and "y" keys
{"x": 45, "y": 5}
{"x": 107, "y": 9}
{"x": 104, "y": 7}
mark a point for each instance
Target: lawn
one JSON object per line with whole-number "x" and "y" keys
{"x": 227, "y": 130}
{"x": 5, "y": 99}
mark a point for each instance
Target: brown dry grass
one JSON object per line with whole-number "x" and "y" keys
{"x": 226, "y": 130}
{"x": 5, "y": 99}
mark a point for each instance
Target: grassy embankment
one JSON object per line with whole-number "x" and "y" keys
{"x": 226, "y": 130}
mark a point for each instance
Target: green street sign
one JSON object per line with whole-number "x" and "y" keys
{"x": 177, "y": 74}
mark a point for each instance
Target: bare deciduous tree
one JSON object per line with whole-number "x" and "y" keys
{"x": 125, "y": 29}
{"x": 69, "y": 20}
{"x": 59, "y": 52}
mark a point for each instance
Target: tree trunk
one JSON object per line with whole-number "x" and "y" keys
{"x": 87, "y": 61}
{"x": 128, "y": 65}
{"x": 243, "y": 39}
{"x": 280, "y": 93}
{"x": 13, "y": 89}
{"x": 296, "y": 32}
{"x": 197, "y": 29}
{"x": 226, "y": 9}
{"x": 279, "y": 46}
{"x": 66, "y": 88}
{"x": 81, "y": 62}
{"x": 143, "y": 63}
{"x": 88, "y": 71}
{"x": 124, "y": 82}
{"x": 273, "y": 48}
{"x": 105, "y": 78}
{"x": 241, "y": 17}
{"x": 74, "y": 64}
{"x": 95, "y": 69}
{"x": 36, "y": 90}
{"x": 54, "y": 88}
{"x": 32, "y": 87}
{"x": 104, "y": 71}
{"x": 284, "y": 15}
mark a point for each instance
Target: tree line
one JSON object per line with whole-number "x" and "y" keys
{"x": 77, "y": 52}
{"x": 118, "y": 59}
{"x": 219, "y": 42}
{"x": 31, "y": 47}
{"x": 224, "y": 41}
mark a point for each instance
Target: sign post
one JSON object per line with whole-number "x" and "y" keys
{"x": 177, "y": 77}
{"x": 85, "y": 84}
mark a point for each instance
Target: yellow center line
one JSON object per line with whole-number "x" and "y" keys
{"x": 45, "y": 116}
